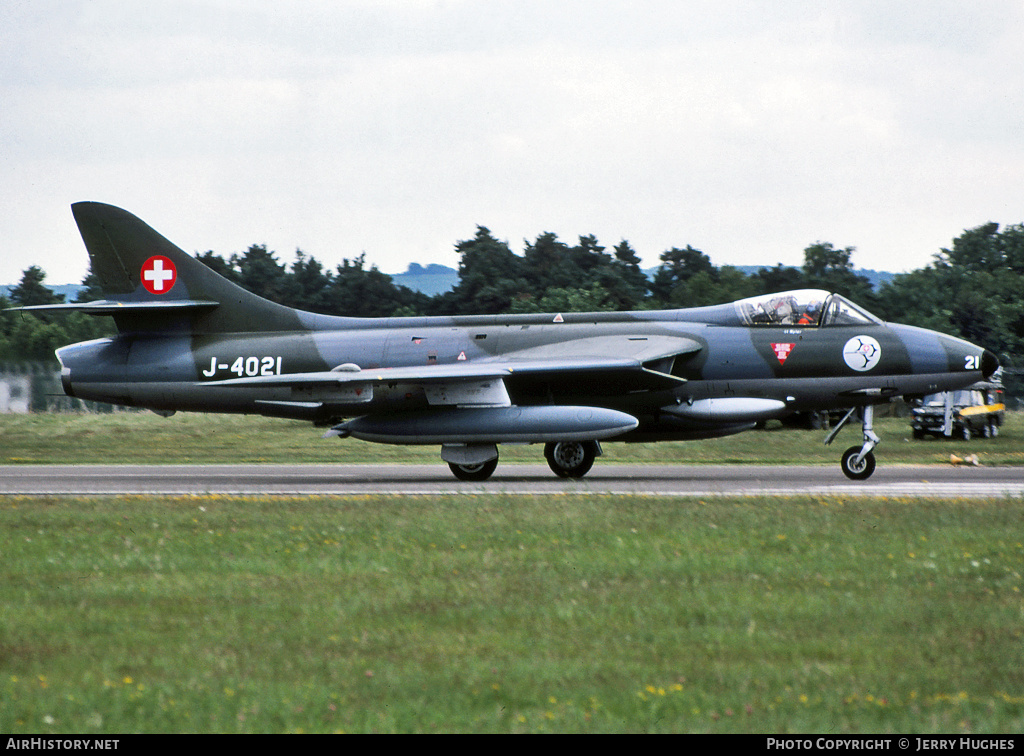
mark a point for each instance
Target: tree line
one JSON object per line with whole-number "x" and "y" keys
{"x": 972, "y": 290}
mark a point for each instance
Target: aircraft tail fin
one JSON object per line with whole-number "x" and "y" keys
{"x": 151, "y": 284}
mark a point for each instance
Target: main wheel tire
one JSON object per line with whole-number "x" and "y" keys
{"x": 855, "y": 471}
{"x": 570, "y": 459}
{"x": 482, "y": 471}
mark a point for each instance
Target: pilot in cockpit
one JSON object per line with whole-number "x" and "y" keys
{"x": 811, "y": 314}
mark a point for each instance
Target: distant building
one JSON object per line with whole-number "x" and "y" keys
{"x": 15, "y": 394}
{"x": 35, "y": 387}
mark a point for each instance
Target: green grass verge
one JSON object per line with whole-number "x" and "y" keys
{"x": 141, "y": 437}
{"x": 510, "y": 614}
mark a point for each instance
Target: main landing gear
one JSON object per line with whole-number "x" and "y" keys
{"x": 475, "y": 471}
{"x": 858, "y": 462}
{"x": 571, "y": 459}
{"x": 567, "y": 459}
{"x": 474, "y": 462}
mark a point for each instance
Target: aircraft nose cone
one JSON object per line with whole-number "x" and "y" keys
{"x": 989, "y": 364}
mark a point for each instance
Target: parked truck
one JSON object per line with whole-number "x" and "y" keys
{"x": 976, "y": 411}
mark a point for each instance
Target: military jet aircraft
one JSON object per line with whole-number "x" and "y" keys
{"x": 188, "y": 339}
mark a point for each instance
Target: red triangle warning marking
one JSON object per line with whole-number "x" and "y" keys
{"x": 782, "y": 351}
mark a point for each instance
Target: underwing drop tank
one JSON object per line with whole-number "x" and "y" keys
{"x": 490, "y": 425}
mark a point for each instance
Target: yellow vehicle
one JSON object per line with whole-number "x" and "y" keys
{"x": 976, "y": 411}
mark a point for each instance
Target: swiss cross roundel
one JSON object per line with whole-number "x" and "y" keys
{"x": 158, "y": 274}
{"x": 862, "y": 353}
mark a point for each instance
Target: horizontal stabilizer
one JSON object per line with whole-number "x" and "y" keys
{"x": 113, "y": 307}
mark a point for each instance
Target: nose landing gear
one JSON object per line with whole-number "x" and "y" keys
{"x": 858, "y": 462}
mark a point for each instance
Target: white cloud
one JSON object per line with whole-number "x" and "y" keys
{"x": 749, "y": 130}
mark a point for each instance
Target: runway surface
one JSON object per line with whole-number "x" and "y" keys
{"x": 676, "y": 480}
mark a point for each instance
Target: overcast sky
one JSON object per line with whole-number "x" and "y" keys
{"x": 746, "y": 129}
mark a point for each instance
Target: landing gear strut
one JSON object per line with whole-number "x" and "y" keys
{"x": 858, "y": 462}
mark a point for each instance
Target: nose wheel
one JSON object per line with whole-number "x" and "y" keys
{"x": 858, "y": 462}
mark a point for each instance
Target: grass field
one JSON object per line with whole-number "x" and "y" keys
{"x": 499, "y": 613}
{"x": 142, "y": 437}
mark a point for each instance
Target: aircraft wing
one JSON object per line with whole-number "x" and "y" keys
{"x": 643, "y": 349}
{"x": 643, "y": 355}
{"x": 426, "y": 374}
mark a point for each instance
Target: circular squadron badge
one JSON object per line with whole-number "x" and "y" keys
{"x": 862, "y": 353}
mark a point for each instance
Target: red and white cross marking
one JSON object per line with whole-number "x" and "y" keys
{"x": 159, "y": 274}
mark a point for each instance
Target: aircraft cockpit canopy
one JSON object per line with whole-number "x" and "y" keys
{"x": 807, "y": 308}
